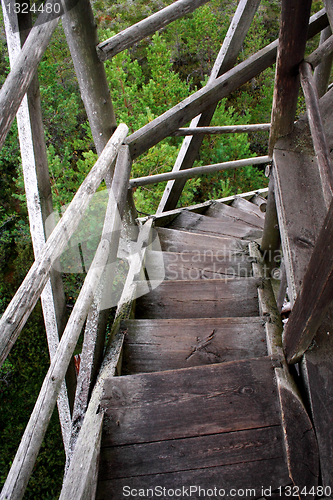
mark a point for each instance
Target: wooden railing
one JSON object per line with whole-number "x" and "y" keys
{"x": 80, "y": 479}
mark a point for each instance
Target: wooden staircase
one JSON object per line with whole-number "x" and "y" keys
{"x": 205, "y": 399}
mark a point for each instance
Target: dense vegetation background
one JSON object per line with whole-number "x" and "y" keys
{"x": 185, "y": 52}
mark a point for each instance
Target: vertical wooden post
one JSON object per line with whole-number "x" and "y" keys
{"x": 292, "y": 39}
{"x": 226, "y": 59}
{"x": 271, "y": 235}
{"x": 81, "y": 34}
{"x": 323, "y": 70}
{"x": 39, "y": 202}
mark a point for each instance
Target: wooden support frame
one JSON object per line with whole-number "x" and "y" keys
{"x": 39, "y": 204}
{"x": 197, "y": 171}
{"x": 292, "y": 39}
{"x": 20, "y": 77}
{"x": 92, "y": 351}
{"x": 323, "y": 70}
{"x": 323, "y": 51}
{"x": 133, "y": 34}
{"x": 315, "y": 296}
{"x": 228, "y": 129}
{"x": 76, "y": 482}
{"x": 225, "y": 60}
{"x": 18, "y": 311}
{"x": 81, "y": 34}
{"x": 317, "y": 131}
{"x": 164, "y": 125}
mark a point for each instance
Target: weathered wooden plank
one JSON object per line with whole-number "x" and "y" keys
{"x": 201, "y": 224}
{"x": 317, "y": 131}
{"x": 247, "y": 206}
{"x": 33, "y": 436}
{"x": 227, "y": 129}
{"x": 197, "y": 171}
{"x": 169, "y": 344}
{"x": 201, "y": 299}
{"x": 271, "y": 240}
{"x": 133, "y": 34}
{"x": 183, "y": 403}
{"x": 300, "y": 440}
{"x": 223, "y": 211}
{"x": 20, "y": 77}
{"x": 39, "y": 203}
{"x": 225, "y": 60}
{"x": 300, "y": 207}
{"x": 322, "y": 72}
{"x": 245, "y": 477}
{"x": 172, "y": 240}
{"x": 92, "y": 349}
{"x": 16, "y": 314}
{"x": 317, "y": 375}
{"x": 81, "y": 34}
{"x": 292, "y": 39}
{"x": 193, "y": 265}
{"x": 215, "y": 450}
{"x": 315, "y": 296}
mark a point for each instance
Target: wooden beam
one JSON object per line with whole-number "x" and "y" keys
{"x": 164, "y": 125}
{"x": 20, "y": 77}
{"x": 133, "y": 34}
{"x": 18, "y": 311}
{"x": 317, "y": 131}
{"x": 229, "y": 129}
{"x": 292, "y": 39}
{"x": 225, "y": 60}
{"x": 315, "y": 296}
{"x": 39, "y": 201}
{"x": 323, "y": 70}
{"x": 271, "y": 240}
{"x": 197, "y": 171}
{"x": 81, "y": 35}
{"x": 33, "y": 436}
{"x": 324, "y": 50}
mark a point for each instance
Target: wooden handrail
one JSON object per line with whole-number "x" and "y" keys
{"x": 315, "y": 296}
{"x": 196, "y": 171}
{"x": 20, "y": 77}
{"x": 324, "y": 49}
{"x": 139, "y": 31}
{"x": 227, "y": 129}
{"x": 164, "y": 125}
{"x": 317, "y": 131}
{"x": 19, "y": 309}
{"x": 26, "y": 455}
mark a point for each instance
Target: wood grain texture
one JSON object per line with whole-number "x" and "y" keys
{"x": 200, "y": 299}
{"x": 315, "y": 296}
{"x": 300, "y": 207}
{"x": 223, "y": 211}
{"x": 292, "y": 40}
{"x": 214, "y": 450}
{"x": 133, "y": 34}
{"x": 156, "y": 345}
{"x": 192, "y": 266}
{"x": 194, "y": 401}
{"x": 189, "y": 221}
{"x": 172, "y": 240}
{"x": 266, "y": 473}
{"x": 248, "y": 207}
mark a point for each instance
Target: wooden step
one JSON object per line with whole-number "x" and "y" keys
{"x": 194, "y": 265}
{"x": 213, "y": 426}
{"x": 197, "y": 223}
{"x": 200, "y": 299}
{"x": 168, "y": 344}
{"x": 172, "y": 240}
{"x": 248, "y": 207}
{"x": 223, "y": 211}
